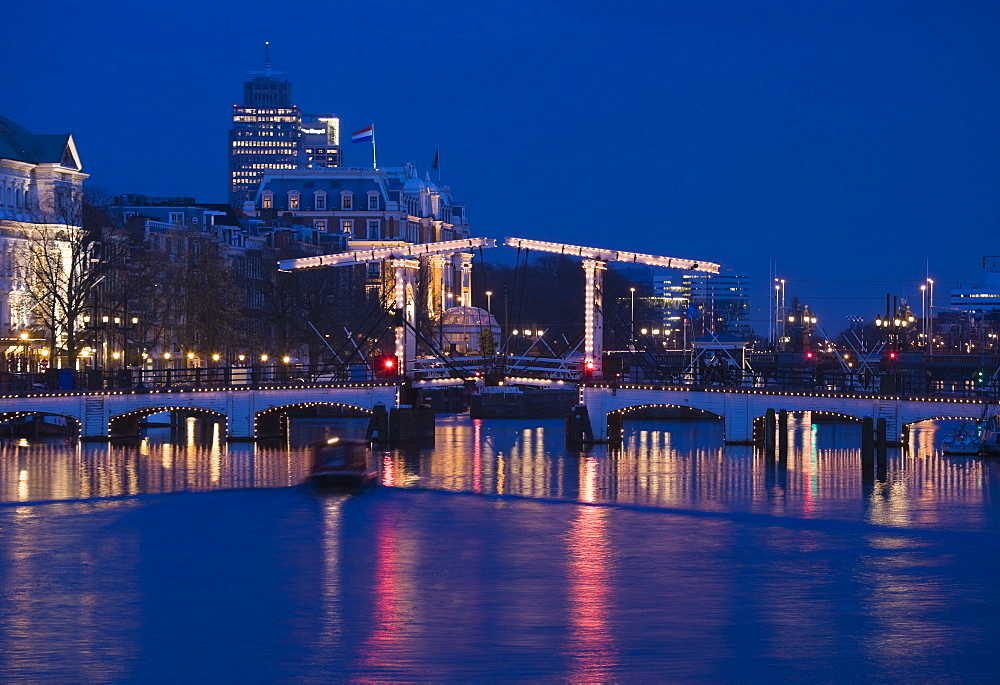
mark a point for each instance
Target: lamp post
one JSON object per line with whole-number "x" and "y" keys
{"x": 631, "y": 330}
{"x": 489, "y": 302}
{"x": 930, "y": 317}
{"x": 923, "y": 312}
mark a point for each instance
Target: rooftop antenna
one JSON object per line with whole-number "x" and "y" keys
{"x": 267, "y": 58}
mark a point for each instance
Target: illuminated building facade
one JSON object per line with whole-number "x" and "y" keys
{"x": 41, "y": 198}
{"x": 373, "y": 208}
{"x": 271, "y": 134}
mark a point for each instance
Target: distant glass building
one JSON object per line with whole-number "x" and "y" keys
{"x": 720, "y": 302}
{"x": 269, "y": 133}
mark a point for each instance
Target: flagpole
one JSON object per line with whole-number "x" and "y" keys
{"x": 374, "y": 163}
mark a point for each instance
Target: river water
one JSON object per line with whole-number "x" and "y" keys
{"x": 497, "y": 554}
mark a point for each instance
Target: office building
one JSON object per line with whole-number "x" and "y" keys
{"x": 270, "y": 134}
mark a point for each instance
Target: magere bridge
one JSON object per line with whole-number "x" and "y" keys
{"x": 608, "y": 404}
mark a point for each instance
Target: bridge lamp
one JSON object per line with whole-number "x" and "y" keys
{"x": 644, "y": 331}
{"x": 286, "y": 359}
{"x": 105, "y": 319}
{"x": 263, "y": 357}
{"x": 242, "y": 358}
{"x": 135, "y": 320}
{"x": 190, "y": 355}
{"x": 86, "y": 319}
{"x": 116, "y": 355}
{"x": 791, "y": 319}
{"x": 656, "y": 331}
{"x": 166, "y": 355}
{"x": 215, "y": 357}
{"x": 514, "y": 332}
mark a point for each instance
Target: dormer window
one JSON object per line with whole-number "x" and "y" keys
{"x": 320, "y": 200}
{"x": 293, "y": 199}
{"x": 373, "y": 199}
{"x": 267, "y": 200}
{"x": 346, "y": 198}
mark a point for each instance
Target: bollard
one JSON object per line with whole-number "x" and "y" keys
{"x": 769, "y": 434}
{"x": 578, "y": 428}
{"x": 881, "y": 450}
{"x": 867, "y": 446}
{"x": 783, "y": 437}
{"x": 378, "y": 424}
{"x": 616, "y": 427}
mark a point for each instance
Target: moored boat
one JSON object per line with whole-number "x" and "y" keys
{"x": 989, "y": 435}
{"x": 38, "y": 426}
{"x": 341, "y": 465}
{"x": 962, "y": 442}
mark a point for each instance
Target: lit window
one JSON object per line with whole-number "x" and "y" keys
{"x": 320, "y": 225}
{"x": 347, "y": 226}
{"x": 267, "y": 200}
{"x": 345, "y": 200}
{"x": 293, "y": 200}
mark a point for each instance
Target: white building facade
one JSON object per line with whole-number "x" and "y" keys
{"x": 41, "y": 200}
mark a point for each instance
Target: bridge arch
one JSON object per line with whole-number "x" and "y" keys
{"x": 663, "y": 411}
{"x": 267, "y": 422}
{"x": 127, "y": 424}
{"x": 667, "y": 412}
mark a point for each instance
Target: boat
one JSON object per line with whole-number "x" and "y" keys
{"x": 989, "y": 435}
{"x": 38, "y": 426}
{"x": 961, "y": 442}
{"x": 341, "y": 465}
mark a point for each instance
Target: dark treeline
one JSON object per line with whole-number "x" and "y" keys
{"x": 546, "y": 292}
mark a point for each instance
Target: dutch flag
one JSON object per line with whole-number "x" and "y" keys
{"x": 364, "y": 135}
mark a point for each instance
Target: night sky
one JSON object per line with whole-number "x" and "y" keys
{"x": 850, "y": 144}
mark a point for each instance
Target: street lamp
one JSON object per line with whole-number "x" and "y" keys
{"x": 930, "y": 316}
{"x": 489, "y": 300}
{"x": 631, "y": 331}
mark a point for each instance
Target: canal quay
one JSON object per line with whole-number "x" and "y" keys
{"x": 497, "y": 553}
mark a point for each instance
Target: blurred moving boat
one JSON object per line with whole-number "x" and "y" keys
{"x": 341, "y": 465}
{"x": 962, "y": 441}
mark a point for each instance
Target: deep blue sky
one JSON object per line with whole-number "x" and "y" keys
{"x": 849, "y": 143}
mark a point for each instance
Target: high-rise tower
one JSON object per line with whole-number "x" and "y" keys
{"x": 269, "y": 133}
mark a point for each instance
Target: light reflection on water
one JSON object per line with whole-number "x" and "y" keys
{"x": 660, "y": 464}
{"x": 669, "y": 558}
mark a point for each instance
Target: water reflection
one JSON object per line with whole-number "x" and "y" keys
{"x": 663, "y": 464}
{"x": 591, "y": 644}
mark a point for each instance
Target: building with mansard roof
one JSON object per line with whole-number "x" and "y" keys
{"x": 373, "y": 208}
{"x": 41, "y": 194}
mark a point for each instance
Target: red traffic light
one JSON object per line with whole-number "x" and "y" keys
{"x": 892, "y": 355}
{"x": 809, "y": 355}
{"x": 589, "y": 365}
{"x": 385, "y": 366}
